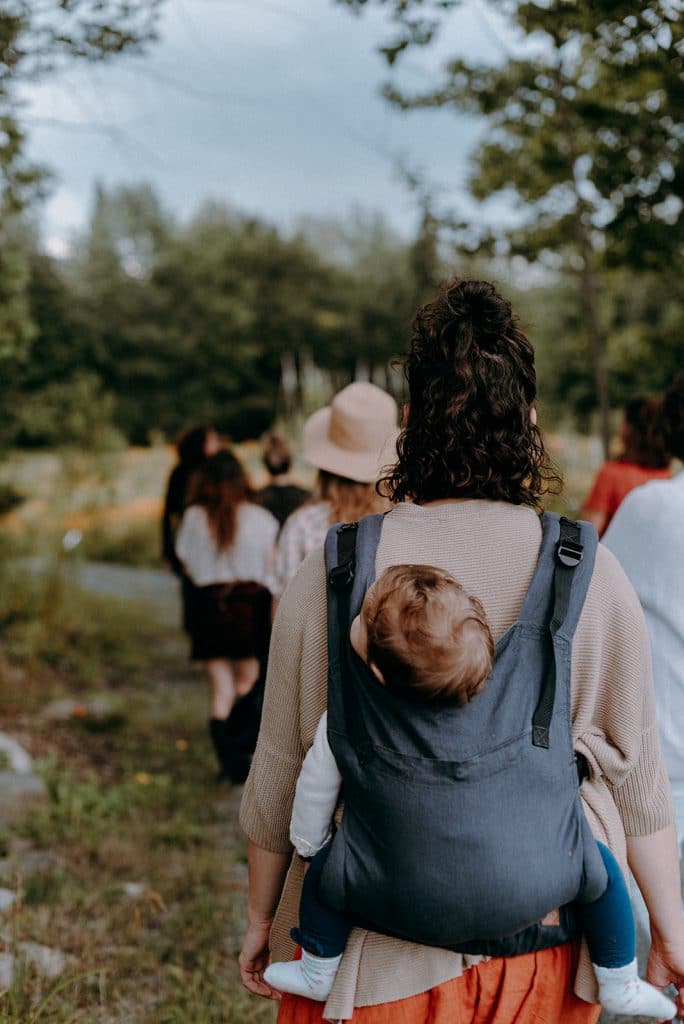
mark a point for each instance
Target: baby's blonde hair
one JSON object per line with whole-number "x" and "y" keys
{"x": 429, "y": 639}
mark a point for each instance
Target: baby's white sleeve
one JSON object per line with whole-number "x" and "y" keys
{"x": 316, "y": 795}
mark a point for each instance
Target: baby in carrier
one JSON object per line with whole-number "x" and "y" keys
{"x": 425, "y": 638}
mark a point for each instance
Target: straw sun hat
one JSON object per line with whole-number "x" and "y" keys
{"x": 354, "y": 436}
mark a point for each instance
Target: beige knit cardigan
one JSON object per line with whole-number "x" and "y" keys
{"x": 492, "y": 549}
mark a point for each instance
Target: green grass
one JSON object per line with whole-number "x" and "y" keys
{"x": 136, "y": 543}
{"x": 131, "y": 799}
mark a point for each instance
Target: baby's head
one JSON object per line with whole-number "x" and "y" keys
{"x": 423, "y": 636}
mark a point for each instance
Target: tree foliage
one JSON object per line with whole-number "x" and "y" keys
{"x": 153, "y": 324}
{"x": 164, "y": 324}
{"x": 585, "y": 134}
{"x": 36, "y": 38}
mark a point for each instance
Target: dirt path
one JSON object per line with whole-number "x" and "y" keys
{"x": 153, "y": 587}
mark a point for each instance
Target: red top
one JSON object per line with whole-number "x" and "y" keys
{"x": 613, "y": 483}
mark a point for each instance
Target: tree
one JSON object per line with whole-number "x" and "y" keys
{"x": 36, "y": 38}
{"x": 586, "y": 134}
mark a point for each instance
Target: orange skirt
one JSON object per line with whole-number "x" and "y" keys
{"x": 535, "y": 988}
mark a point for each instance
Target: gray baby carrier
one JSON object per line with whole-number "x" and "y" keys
{"x": 463, "y": 827}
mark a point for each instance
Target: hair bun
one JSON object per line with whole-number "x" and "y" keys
{"x": 477, "y": 301}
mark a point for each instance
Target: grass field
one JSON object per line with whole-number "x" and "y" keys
{"x": 141, "y": 877}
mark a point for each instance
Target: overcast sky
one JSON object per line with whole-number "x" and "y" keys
{"x": 270, "y": 105}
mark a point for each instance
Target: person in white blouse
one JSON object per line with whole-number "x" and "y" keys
{"x": 647, "y": 538}
{"x": 225, "y": 543}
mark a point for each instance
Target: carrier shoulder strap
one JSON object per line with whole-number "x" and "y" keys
{"x": 350, "y": 550}
{"x": 341, "y": 575}
{"x": 568, "y": 554}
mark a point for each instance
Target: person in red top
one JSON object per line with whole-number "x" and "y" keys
{"x": 644, "y": 458}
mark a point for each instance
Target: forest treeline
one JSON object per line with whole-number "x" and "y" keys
{"x": 151, "y": 323}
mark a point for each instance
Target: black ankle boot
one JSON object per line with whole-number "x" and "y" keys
{"x": 219, "y": 730}
{"x": 235, "y": 737}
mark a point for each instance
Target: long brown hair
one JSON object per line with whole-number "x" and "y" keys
{"x": 472, "y": 385}
{"x": 349, "y": 499}
{"x": 220, "y": 486}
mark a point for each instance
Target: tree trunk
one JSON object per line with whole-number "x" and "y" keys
{"x": 596, "y": 338}
{"x": 587, "y": 274}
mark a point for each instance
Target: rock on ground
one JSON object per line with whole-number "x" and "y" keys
{"x": 18, "y": 759}
{"x": 16, "y": 793}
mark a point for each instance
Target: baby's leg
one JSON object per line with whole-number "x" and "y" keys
{"x": 322, "y": 934}
{"x": 608, "y": 927}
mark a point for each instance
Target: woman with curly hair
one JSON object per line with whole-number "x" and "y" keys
{"x": 224, "y": 545}
{"x": 467, "y": 485}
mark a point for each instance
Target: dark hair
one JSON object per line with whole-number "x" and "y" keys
{"x": 429, "y": 639}
{"x": 472, "y": 386}
{"x": 276, "y": 453}
{"x": 673, "y": 416}
{"x": 644, "y": 436}
{"x": 190, "y": 445}
{"x": 220, "y": 485}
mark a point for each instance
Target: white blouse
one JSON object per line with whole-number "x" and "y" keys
{"x": 647, "y": 538}
{"x": 247, "y": 558}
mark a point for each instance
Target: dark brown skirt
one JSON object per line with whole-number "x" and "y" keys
{"x": 229, "y": 620}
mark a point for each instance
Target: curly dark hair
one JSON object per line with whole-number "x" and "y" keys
{"x": 673, "y": 414}
{"x": 469, "y": 431}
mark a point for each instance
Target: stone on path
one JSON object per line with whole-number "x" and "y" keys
{"x": 134, "y": 889}
{"x": 7, "y": 899}
{"x": 19, "y": 787}
{"x": 17, "y": 793}
{"x": 49, "y": 962}
{"x": 6, "y": 970}
{"x": 18, "y": 759}
{"x": 26, "y": 862}
{"x": 97, "y": 708}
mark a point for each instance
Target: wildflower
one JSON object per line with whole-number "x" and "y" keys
{"x": 143, "y": 778}
{"x": 181, "y": 744}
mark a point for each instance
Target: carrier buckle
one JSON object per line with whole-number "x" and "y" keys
{"x": 569, "y": 553}
{"x": 342, "y": 576}
{"x": 583, "y": 771}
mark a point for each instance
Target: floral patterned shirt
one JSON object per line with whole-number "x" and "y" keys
{"x": 303, "y": 532}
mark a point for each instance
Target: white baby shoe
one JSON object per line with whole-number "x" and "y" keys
{"x": 312, "y": 976}
{"x": 622, "y": 991}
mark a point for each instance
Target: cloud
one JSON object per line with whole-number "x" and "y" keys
{"x": 255, "y": 103}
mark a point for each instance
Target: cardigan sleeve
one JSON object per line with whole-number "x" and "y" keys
{"x": 294, "y": 702}
{"x": 614, "y": 699}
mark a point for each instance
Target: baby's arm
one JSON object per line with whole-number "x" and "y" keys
{"x": 318, "y": 789}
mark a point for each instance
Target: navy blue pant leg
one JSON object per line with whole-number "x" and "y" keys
{"x": 321, "y": 931}
{"x": 608, "y": 923}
